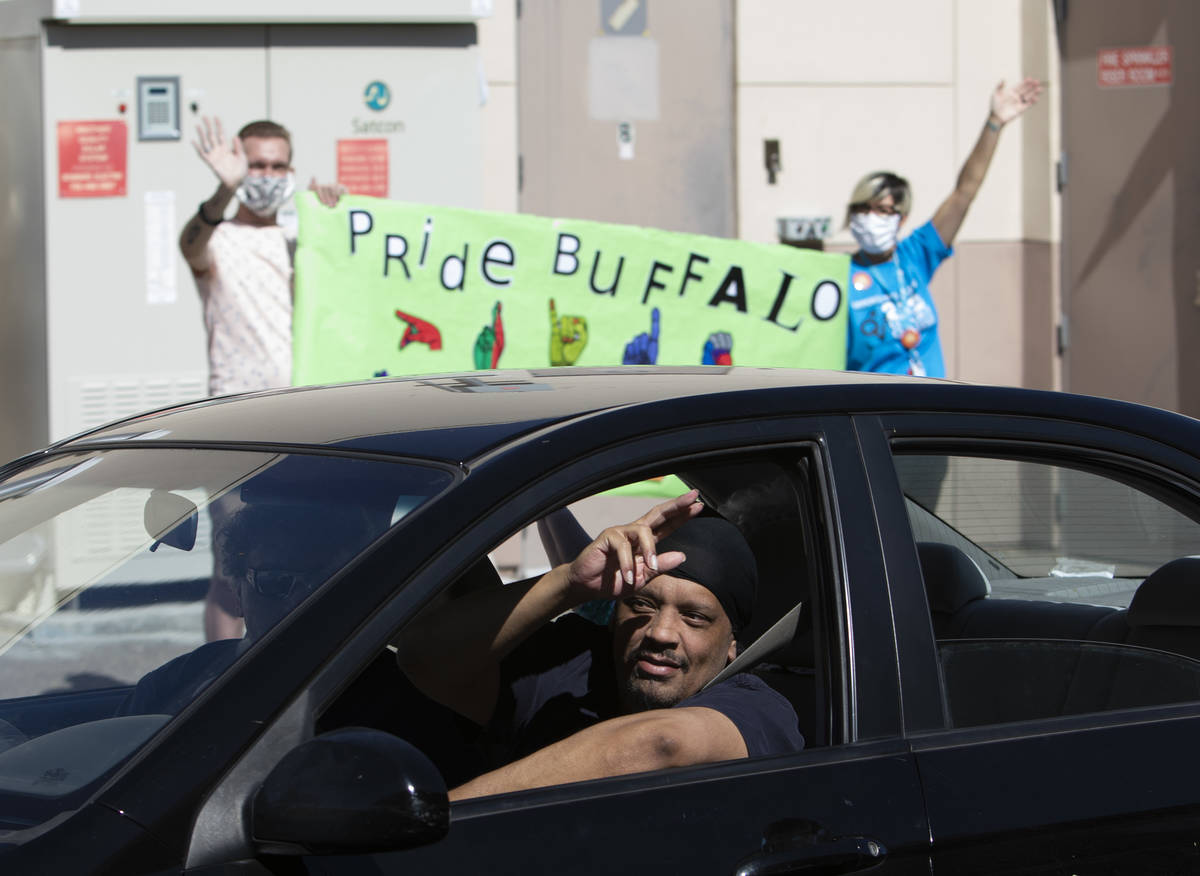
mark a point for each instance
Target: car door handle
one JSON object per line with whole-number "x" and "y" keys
{"x": 840, "y": 855}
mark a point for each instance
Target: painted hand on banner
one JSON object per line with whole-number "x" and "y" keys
{"x": 718, "y": 349}
{"x": 568, "y": 337}
{"x": 490, "y": 343}
{"x": 643, "y": 349}
{"x": 226, "y": 157}
{"x": 417, "y": 330}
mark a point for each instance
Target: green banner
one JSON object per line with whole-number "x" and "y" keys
{"x": 386, "y": 287}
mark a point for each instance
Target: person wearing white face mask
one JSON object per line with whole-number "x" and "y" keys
{"x": 243, "y": 272}
{"x": 893, "y": 324}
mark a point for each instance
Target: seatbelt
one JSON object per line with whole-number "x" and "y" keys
{"x": 777, "y": 635}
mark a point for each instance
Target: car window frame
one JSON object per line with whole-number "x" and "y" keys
{"x": 204, "y": 724}
{"x": 1104, "y": 449}
{"x": 976, "y": 780}
{"x": 867, "y": 686}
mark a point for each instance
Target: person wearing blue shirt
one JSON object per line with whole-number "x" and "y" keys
{"x": 893, "y": 325}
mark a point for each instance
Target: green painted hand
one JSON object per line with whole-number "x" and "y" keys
{"x": 490, "y": 342}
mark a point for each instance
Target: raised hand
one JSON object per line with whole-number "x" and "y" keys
{"x": 225, "y": 156}
{"x": 1009, "y": 101}
{"x": 621, "y": 559}
{"x": 718, "y": 349}
{"x": 643, "y": 349}
{"x": 568, "y": 337}
{"x": 490, "y": 342}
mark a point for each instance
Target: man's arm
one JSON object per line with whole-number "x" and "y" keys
{"x": 193, "y": 240}
{"x": 453, "y": 655}
{"x": 636, "y": 743}
{"x": 228, "y": 161}
{"x": 1007, "y": 103}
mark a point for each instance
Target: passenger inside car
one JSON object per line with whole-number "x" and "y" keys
{"x": 570, "y": 700}
{"x": 277, "y": 555}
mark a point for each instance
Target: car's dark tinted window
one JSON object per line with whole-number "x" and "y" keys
{"x": 109, "y": 562}
{"x": 1053, "y": 590}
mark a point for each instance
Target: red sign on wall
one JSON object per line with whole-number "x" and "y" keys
{"x": 91, "y": 159}
{"x": 1140, "y": 65}
{"x": 362, "y": 167}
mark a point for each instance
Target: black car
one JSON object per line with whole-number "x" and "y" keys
{"x": 982, "y": 602}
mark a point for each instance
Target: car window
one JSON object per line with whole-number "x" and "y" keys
{"x": 774, "y": 501}
{"x": 1030, "y": 524}
{"x": 1054, "y": 590}
{"x": 108, "y": 563}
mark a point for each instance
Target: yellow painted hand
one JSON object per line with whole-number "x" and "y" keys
{"x": 568, "y": 337}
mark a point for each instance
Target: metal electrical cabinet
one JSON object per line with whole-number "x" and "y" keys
{"x": 99, "y": 316}
{"x": 98, "y": 313}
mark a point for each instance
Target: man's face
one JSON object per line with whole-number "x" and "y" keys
{"x": 669, "y": 640}
{"x": 268, "y": 156}
{"x": 281, "y": 571}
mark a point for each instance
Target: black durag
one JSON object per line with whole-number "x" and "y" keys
{"x": 718, "y": 559}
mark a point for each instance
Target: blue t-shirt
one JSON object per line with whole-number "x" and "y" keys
{"x": 561, "y": 680}
{"x": 893, "y": 325}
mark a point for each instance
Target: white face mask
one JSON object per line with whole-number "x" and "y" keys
{"x": 875, "y": 233}
{"x": 263, "y": 194}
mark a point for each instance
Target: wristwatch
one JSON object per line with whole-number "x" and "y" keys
{"x": 205, "y": 219}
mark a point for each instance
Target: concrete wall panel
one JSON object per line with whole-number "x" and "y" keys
{"x": 867, "y": 41}
{"x": 829, "y": 137}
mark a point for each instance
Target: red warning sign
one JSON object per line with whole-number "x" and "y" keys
{"x": 1140, "y": 65}
{"x": 362, "y": 167}
{"x": 91, "y": 159}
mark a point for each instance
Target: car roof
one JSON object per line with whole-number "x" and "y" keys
{"x": 458, "y": 417}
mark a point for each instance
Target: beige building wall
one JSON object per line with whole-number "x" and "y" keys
{"x": 851, "y": 88}
{"x": 498, "y": 53}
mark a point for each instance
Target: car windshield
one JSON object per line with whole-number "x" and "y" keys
{"x": 132, "y": 578}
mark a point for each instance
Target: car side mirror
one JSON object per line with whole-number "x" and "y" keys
{"x": 352, "y": 790}
{"x": 171, "y": 519}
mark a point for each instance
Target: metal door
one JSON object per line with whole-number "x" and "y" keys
{"x": 667, "y": 66}
{"x": 1131, "y": 286}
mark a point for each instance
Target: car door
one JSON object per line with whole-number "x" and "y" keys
{"x": 851, "y": 802}
{"x": 1067, "y": 746}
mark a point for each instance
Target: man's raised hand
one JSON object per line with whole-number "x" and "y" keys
{"x": 226, "y": 157}
{"x": 621, "y": 559}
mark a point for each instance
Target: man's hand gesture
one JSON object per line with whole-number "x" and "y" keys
{"x": 623, "y": 558}
{"x": 327, "y": 193}
{"x": 226, "y": 157}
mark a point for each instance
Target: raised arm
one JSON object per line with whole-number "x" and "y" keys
{"x": 453, "y": 655}
{"x": 651, "y": 740}
{"x": 226, "y": 158}
{"x": 1007, "y": 103}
